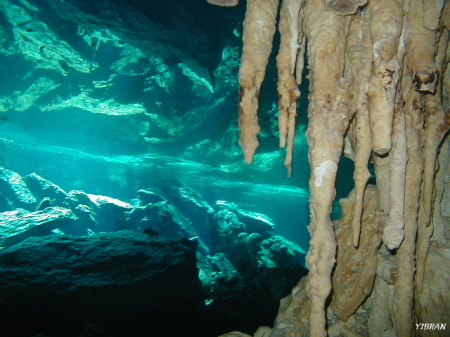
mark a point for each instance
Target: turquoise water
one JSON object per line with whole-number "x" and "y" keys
{"x": 111, "y": 106}
{"x": 121, "y": 176}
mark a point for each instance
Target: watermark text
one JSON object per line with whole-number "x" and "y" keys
{"x": 431, "y": 326}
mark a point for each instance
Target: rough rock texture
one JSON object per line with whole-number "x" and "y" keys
{"x": 385, "y": 30}
{"x": 391, "y": 109}
{"x": 15, "y": 191}
{"x": 239, "y": 264}
{"x": 119, "y": 64}
{"x": 433, "y": 297}
{"x": 329, "y": 116}
{"x": 356, "y": 268}
{"x": 344, "y": 7}
{"x": 18, "y": 225}
{"x": 123, "y": 283}
{"x": 292, "y": 49}
{"x": 259, "y": 28}
{"x": 42, "y": 188}
{"x": 408, "y": 84}
{"x": 294, "y": 306}
{"x": 432, "y": 302}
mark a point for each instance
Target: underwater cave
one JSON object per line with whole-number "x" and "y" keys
{"x": 265, "y": 168}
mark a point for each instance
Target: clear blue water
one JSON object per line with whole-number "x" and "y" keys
{"x": 121, "y": 176}
{"x": 111, "y": 106}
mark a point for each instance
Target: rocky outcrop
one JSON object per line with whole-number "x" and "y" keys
{"x": 221, "y": 263}
{"x": 15, "y": 226}
{"x": 355, "y": 270}
{"x": 42, "y": 188}
{"x": 15, "y": 192}
{"x": 125, "y": 284}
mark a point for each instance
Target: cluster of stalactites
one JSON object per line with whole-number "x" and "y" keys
{"x": 379, "y": 92}
{"x": 259, "y": 28}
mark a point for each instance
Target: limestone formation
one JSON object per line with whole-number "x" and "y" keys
{"x": 355, "y": 270}
{"x": 291, "y": 31}
{"x": 259, "y": 27}
{"x": 379, "y": 84}
{"x": 385, "y": 30}
{"x": 344, "y": 7}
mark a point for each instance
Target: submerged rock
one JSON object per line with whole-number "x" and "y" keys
{"x": 109, "y": 213}
{"x": 100, "y": 213}
{"x": 147, "y": 196}
{"x": 254, "y": 222}
{"x": 14, "y": 191}
{"x": 16, "y": 226}
{"x": 195, "y": 262}
{"x": 125, "y": 283}
{"x": 162, "y": 217}
{"x": 43, "y": 188}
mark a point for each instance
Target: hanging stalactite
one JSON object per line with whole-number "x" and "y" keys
{"x": 379, "y": 93}
{"x": 259, "y": 27}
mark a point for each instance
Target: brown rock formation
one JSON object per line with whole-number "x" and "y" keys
{"x": 379, "y": 83}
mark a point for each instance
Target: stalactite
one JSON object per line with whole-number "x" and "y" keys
{"x": 404, "y": 287}
{"x": 259, "y": 27}
{"x": 436, "y": 125}
{"x": 385, "y": 27}
{"x": 300, "y": 60}
{"x": 361, "y": 173}
{"x": 379, "y": 82}
{"x": 393, "y": 231}
{"x": 382, "y": 169}
{"x": 435, "y": 128}
{"x": 288, "y": 91}
{"x": 360, "y": 67}
{"x": 420, "y": 48}
{"x": 432, "y": 13}
{"x": 328, "y": 120}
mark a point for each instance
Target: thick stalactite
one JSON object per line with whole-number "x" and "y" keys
{"x": 259, "y": 27}
{"x": 379, "y": 92}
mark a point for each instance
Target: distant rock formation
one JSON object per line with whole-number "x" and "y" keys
{"x": 130, "y": 267}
